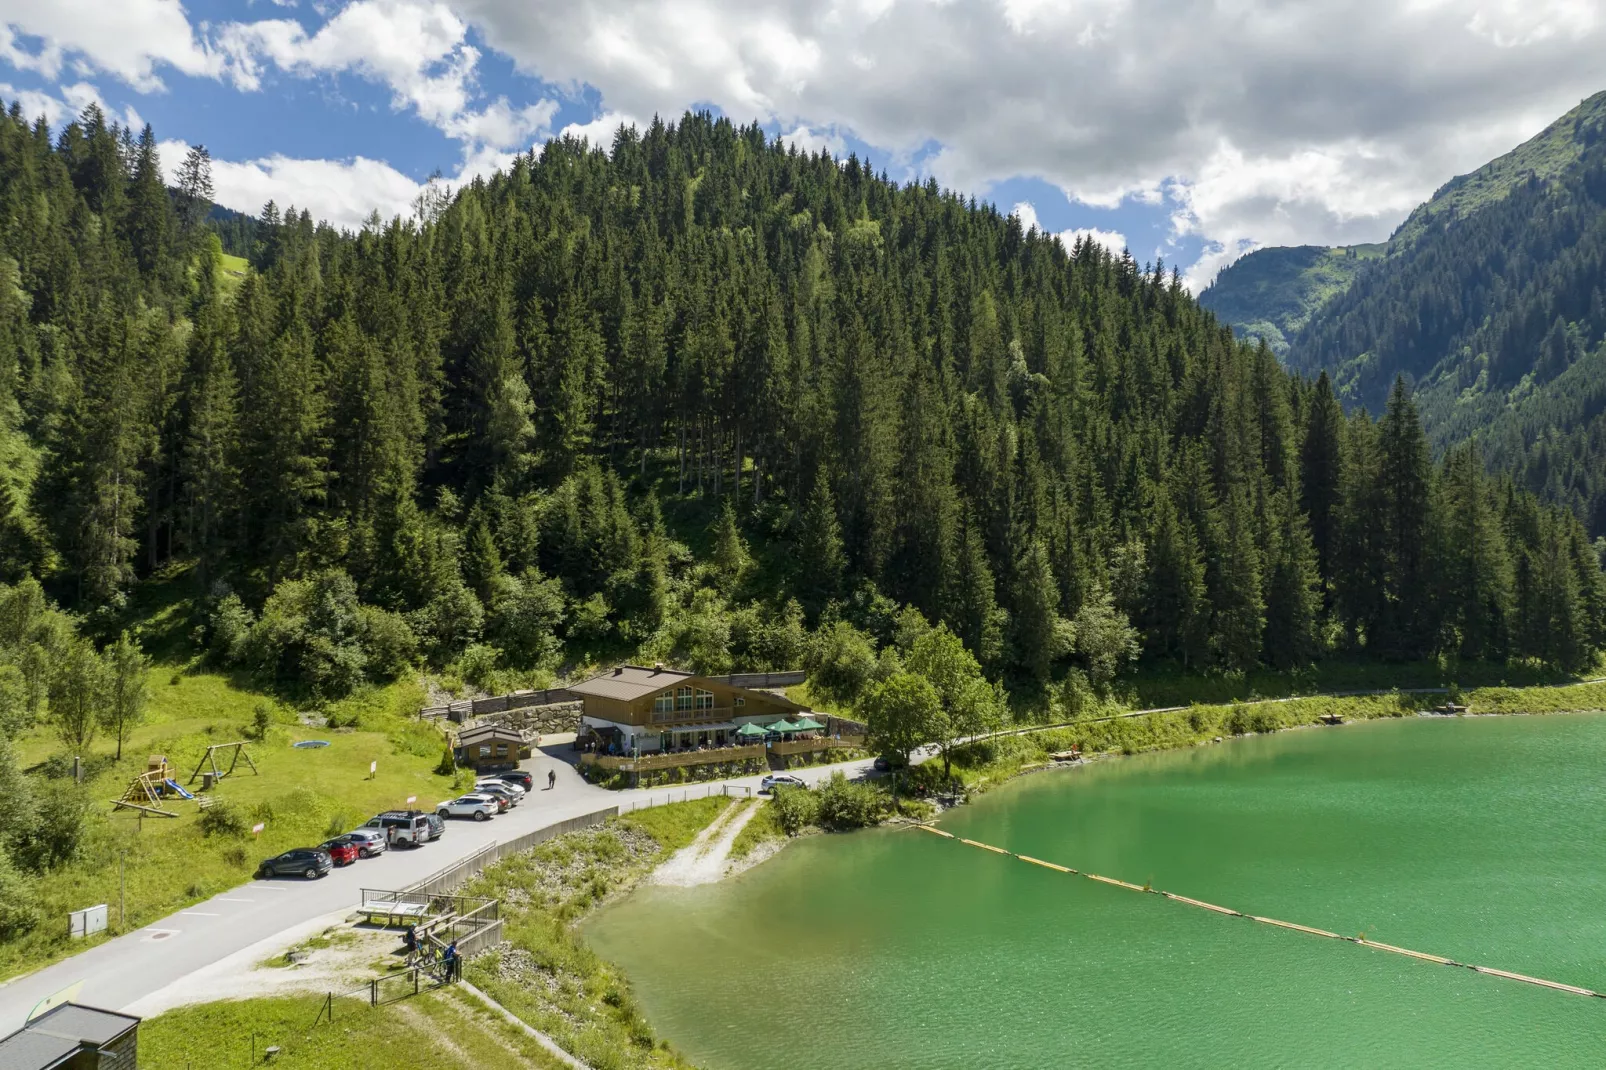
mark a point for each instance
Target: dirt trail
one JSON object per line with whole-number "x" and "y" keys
{"x": 704, "y": 860}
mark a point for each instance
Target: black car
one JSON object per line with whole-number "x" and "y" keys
{"x": 308, "y": 862}
{"x": 517, "y": 776}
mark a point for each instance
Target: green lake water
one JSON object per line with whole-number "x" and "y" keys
{"x": 1481, "y": 839}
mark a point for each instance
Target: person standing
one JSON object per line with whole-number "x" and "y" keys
{"x": 454, "y": 965}
{"x": 551, "y": 779}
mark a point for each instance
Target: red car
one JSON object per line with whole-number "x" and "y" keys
{"x": 343, "y": 851}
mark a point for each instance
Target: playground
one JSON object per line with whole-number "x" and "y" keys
{"x": 157, "y": 864}
{"x": 149, "y": 792}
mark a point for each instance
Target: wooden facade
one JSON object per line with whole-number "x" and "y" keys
{"x": 634, "y": 709}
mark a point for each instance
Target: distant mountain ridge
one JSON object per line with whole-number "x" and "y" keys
{"x": 1488, "y": 299}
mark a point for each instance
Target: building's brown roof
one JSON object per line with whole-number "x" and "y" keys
{"x": 630, "y": 682}
{"x": 489, "y": 731}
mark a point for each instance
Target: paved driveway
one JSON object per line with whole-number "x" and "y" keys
{"x": 139, "y": 964}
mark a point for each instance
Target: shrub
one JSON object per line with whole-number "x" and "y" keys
{"x": 229, "y": 625}
{"x": 1263, "y": 721}
{"x": 477, "y": 666}
{"x": 223, "y": 818}
{"x": 1237, "y": 722}
{"x": 450, "y": 621}
{"x": 55, "y": 829}
{"x": 389, "y": 642}
{"x": 18, "y": 915}
{"x": 841, "y": 661}
{"x": 448, "y": 763}
{"x": 261, "y": 719}
{"x": 846, "y": 804}
{"x": 795, "y": 809}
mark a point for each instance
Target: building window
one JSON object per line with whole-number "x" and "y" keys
{"x": 740, "y": 701}
{"x": 663, "y": 703}
{"x": 705, "y": 699}
{"x": 485, "y": 750}
{"x": 683, "y": 698}
{"x": 501, "y": 750}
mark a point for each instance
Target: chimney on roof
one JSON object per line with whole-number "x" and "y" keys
{"x": 657, "y": 666}
{"x": 618, "y": 670}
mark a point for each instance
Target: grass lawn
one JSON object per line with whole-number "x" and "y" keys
{"x": 446, "y": 1029}
{"x": 302, "y": 797}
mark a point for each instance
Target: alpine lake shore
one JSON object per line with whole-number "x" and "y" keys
{"x": 547, "y": 975}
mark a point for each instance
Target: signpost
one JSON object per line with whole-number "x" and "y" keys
{"x": 256, "y": 829}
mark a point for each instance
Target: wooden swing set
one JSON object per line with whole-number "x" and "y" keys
{"x": 210, "y": 759}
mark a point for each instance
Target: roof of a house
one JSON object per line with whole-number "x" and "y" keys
{"x": 489, "y": 731}
{"x": 56, "y": 1034}
{"x": 630, "y": 682}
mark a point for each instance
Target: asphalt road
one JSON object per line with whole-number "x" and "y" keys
{"x": 139, "y": 964}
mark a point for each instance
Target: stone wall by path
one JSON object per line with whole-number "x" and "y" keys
{"x": 534, "y": 720}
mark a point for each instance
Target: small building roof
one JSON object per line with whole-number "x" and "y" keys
{"x": 49, "y": 1039}
{"x": 630, "y": 682}
{"x": 481, "y": 732}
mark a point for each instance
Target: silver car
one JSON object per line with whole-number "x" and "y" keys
{"x": 511, "y": 792}
{"x": 369, "y": 842}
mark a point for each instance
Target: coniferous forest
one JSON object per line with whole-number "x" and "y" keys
{"x": 1491, "y": 301}
{"x": 700, "y": 397}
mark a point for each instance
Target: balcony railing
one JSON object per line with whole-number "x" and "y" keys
{"x": 705, "y": 715}
{"x": 674, "y": 759}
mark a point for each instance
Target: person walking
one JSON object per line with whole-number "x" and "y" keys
{"x": 551, "y": 779}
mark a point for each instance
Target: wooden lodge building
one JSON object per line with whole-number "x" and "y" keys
{"x": 635, "y": 710}
{"x": 490, "y": 748}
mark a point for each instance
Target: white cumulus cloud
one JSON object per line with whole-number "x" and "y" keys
{"x": 1113, "y": 240}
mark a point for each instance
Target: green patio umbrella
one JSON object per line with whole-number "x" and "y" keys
{"x": 783, "y": 725}
{"x": 750, "y": 731}
{"x": 806, "y": 724}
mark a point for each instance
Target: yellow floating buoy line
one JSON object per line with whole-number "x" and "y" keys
{"x": 1360, "y": 940}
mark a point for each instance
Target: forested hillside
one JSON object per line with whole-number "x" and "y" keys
{"x": 1490, "y": 301}
{"x": 703, "y": 398}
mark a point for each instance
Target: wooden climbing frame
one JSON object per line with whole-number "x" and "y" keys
{"x": 210, "y": 759}
{"x": 144, "y": 795}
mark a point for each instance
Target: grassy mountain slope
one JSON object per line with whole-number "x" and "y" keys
{"x": 1271, "y": 293}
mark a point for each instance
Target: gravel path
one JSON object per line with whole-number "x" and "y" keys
{"x": 704, "y": 860}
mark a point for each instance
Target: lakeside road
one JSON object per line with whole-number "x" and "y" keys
{"x": 136, "y": 966}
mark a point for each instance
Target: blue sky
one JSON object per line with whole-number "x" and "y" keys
{"x": 1118, "y": 117}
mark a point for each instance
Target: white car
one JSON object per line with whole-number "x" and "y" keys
{"x": 479, "y": 807}
{"x": 511, "y": 792}
{"x": 780, "y": 780}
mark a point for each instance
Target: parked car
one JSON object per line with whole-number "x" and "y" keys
{"x": 437, "y": 824}
{"x": 402, "y": 826}
{"x": 370, "y": 842}
{"x": 885, "y": 763}
{"x": 503, "y": 803}
{"x": 508, "y": 792}
{"x": 309, "y": 862}
{"x": 342, "y": 852}
{"x": 479, "y": 807}
{"x": 780, "y": 780}
{"x": 499, "y": 781}
{"x": 516, "y": 776}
